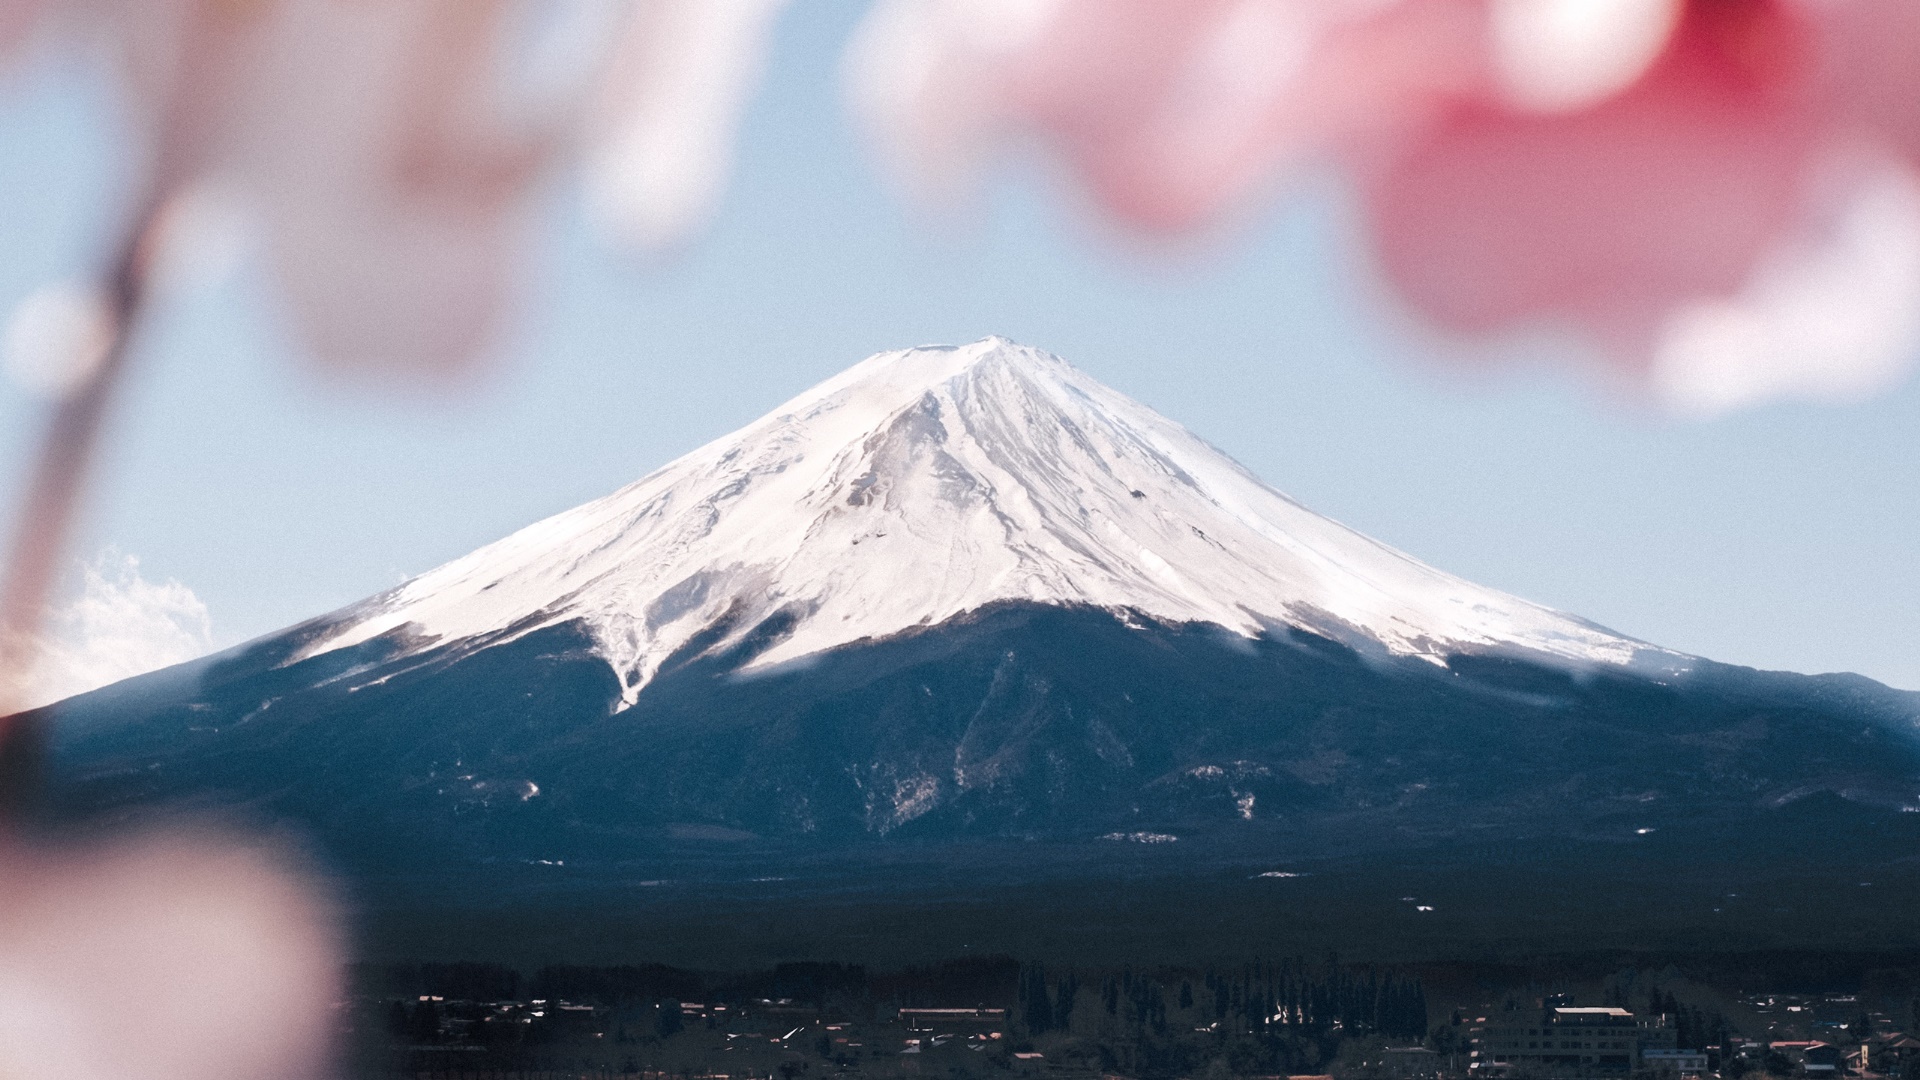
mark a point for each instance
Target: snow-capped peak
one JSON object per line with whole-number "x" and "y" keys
{"x": 922, "y": 484}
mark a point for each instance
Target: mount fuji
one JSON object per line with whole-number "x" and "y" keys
{"x": 966, "y": 596}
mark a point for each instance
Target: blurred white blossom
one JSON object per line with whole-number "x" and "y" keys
{"x": 389, "y": 155}
{"x": 55, "y": 339}
{"x": 166, "y": 956}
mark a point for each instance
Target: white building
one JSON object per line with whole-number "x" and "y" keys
{"x": 1560, "y": 1042}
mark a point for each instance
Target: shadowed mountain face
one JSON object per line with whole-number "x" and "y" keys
{"x": 1022, "y": 722}
{"x": 963, "y": 622}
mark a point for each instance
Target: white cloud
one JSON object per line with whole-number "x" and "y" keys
{"x": 120, "y": 625}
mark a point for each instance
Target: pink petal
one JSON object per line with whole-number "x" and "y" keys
{"x": 1157, "y": 106}
{"x": 1669, "y": 192}
{"x": 926, "y": 77}
{"x": 175, "y": 957}
{"x": 394, "y": 193}
{"x": 671, "y": 103}
{"x": 372, "y": 144}
{"x": 1872, "y": 64}
{"x": 18, "y": 20}
{"x": 379, "y": 286}
{"x": 1170, "y": 113}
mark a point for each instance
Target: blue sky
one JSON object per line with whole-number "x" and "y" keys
{"x": 1784, "y": 537}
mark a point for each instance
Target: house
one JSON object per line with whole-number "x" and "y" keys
{"x": 1814, "y": 1058}
{"x": 926, "y": 1019}
{"x": 1896, "y": 1049}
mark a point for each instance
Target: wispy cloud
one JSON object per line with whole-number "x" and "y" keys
{"x": 120, "y": 625}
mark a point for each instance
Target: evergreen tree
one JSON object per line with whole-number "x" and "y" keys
{"x": 1036, "y": 1011}
{"x": 399, "y": 1022}
{"x": 666, "y": 1019}
{"x": 424, "y": 1024}
{"x": 1064, "y": 994}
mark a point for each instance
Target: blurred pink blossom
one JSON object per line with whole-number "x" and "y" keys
{"x": 1719, "y": 195}
{"x": 391, "y": 153}
{"x": 176, "y": 957}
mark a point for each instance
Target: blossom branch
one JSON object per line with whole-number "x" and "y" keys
{"x": 54, "y": 494}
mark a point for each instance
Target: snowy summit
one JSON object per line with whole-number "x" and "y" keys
{"x": 923, "y": 484}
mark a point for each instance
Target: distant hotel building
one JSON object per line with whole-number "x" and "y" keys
{"x": 927, "y": 1019}
{"x": 1564, "y": 1042}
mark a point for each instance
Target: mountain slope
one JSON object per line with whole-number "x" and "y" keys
{"x": 1020, "y": 720}
{"x": 922, "y": 484}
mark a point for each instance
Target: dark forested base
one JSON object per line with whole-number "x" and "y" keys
{"x": 1436, "y": 905}
{"x": 1021, "y": 722}
{"x": 1038, "y": 781}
